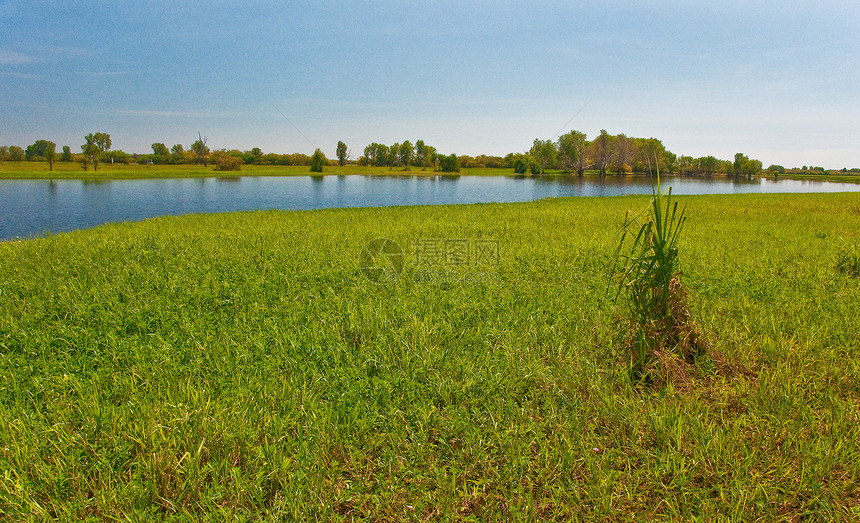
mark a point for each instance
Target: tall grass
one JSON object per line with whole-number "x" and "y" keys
{"x": 242, "y": 367}
{"x": 648, "y": 262}
{"x": 848, "y": 260}
{"x": 661, "y": 336}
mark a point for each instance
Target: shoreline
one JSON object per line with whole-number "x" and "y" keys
{"x": 72, "y": 171}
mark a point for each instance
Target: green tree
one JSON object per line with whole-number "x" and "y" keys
{"x": 342, "y": 153}
{"x": 393, "y": 156}
{"x": 686, "y": 164}
{"x": 96, "y": 145}
{"x": 177, "y": 154}
{"x": 601, "y": 151}
{"x": 423, "y": 155}
{"x": 376, "y": 154}
{"x": 430, "y": 156}
{"x": 624, "y": 151}
{"x": 745, "y": 166}
{"x": 117, "y": 157}
{"x": 739, "y": 163}
{"x": 50, "y": 155}
{"x": 420, "y": 157}
{"x": 318, "y": 160}
{"x": 406, "y": 154}
{"x": 752, "y": 168}
{"x": 545, "y": 152}
{"x": 571, "y": 152}
{"x": 16, "y": 154}
{"x": 31, "y": 153}
{"x": 779, "y": 169}
{"x": 42, "y": 150}
{"x": 652, "y": 153}
{"x": 708, "y": 165}
{"x": 67, "y": 154}
{"x": 523, "y": 163}
{"x": 159, "y": 149}
{"x": 450, "y": 163}
{"x": 200, "y": 150}
{"x": 90, "y": 151}
{"x": 37, "y": 150}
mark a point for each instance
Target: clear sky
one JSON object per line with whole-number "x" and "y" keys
{"x": 777, "y": 80}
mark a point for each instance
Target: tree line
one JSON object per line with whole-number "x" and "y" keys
{"x": 573, "y": 153}
{"x": 405, "y": 155}
{"x": 97, "y": 149}
{"x": 570, "y": 153}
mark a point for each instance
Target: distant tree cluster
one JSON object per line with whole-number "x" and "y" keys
{"x": 743, "y": 166}
{"x": 403, "y": 155}
{"x": 95, "y": 148}
{"x": 574, "y": 153}
{"x": 177, "y": 155}
{"x": 481, "y": 161}
{"x": 42, "y": 150}
{"x": 406, "y": 156}
{"x": 569, "y": 153}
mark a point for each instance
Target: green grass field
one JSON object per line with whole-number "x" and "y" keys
{"x": 241, "y": 366}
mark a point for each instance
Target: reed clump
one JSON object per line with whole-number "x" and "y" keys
{"x": 662, "y": 340}
{"x": 848, "y": 261}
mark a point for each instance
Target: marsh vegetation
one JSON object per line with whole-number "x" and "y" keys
{"x": 240, "y": 365}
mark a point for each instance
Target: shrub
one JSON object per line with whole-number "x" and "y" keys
{"x": 450, "y": 163}
{"x": 226, "y": 162}
{"x": 318, "y": 160}
{"x": 524, "y": 163}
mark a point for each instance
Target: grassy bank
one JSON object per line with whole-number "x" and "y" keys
{"x": 241, "y": 365}
{"x": 37, "y": 170}
{"x": 69, "y": 170}
{"x": 845, "y": 178}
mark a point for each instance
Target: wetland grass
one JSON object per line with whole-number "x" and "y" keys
{"x": 661, "y": 339}
{"x": 241, "y": 366}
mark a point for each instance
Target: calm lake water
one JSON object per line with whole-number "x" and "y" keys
{"x": 33, "y": 207}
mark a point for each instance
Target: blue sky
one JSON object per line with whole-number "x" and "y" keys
{"x": 778, "y": 81}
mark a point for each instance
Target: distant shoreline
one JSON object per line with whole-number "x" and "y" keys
{"x": 73, "y": 171}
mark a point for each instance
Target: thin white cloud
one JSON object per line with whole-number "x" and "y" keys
{"x": 171, "y": 114}
{"x": 22, "y": 76}
{"x": 42, "y": 53}
{"x": 65, "y": 51}
{"x": 104, "y": 73}
{"x": 14, "y": 58}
